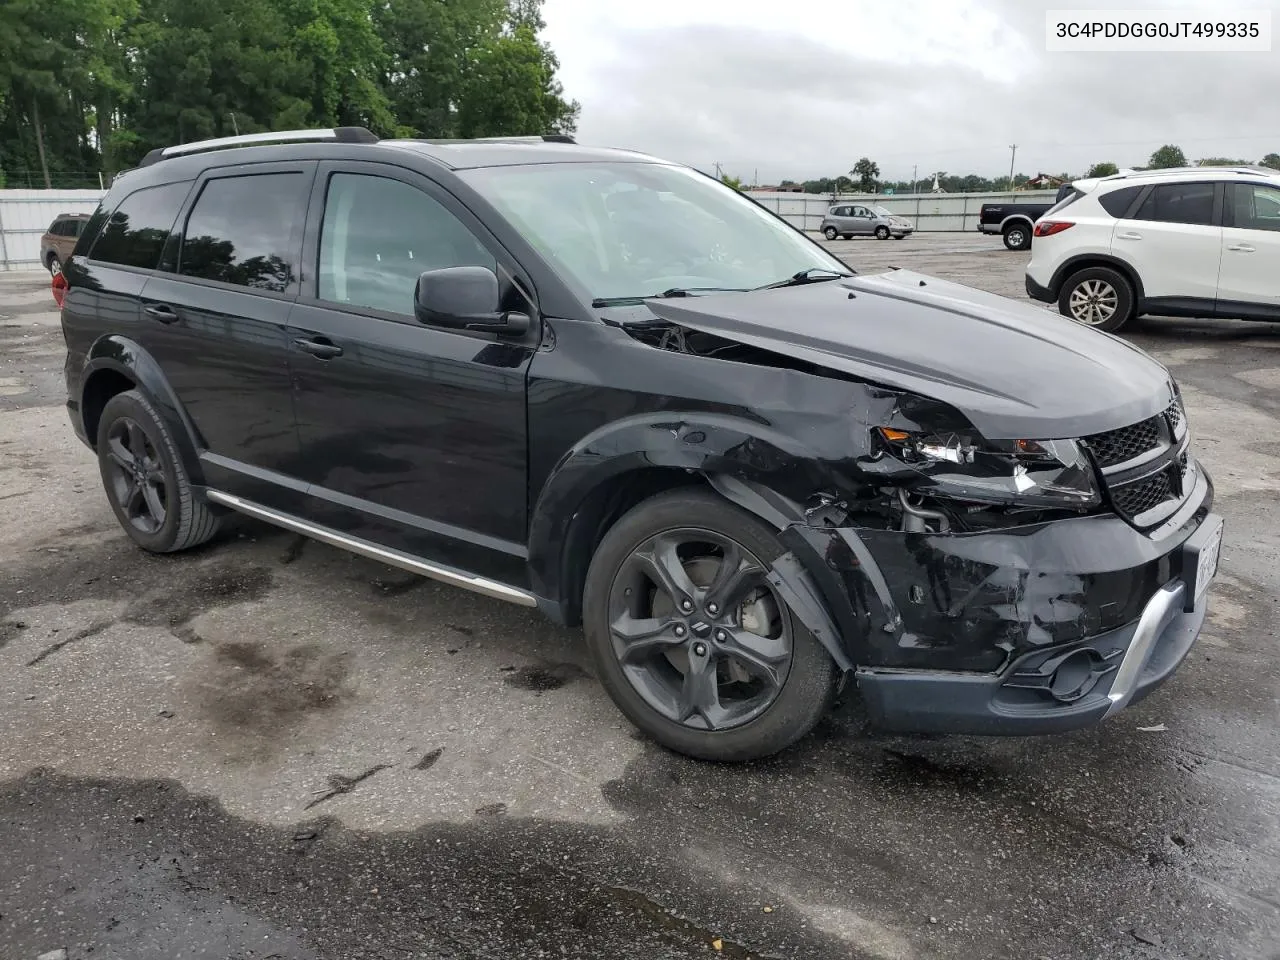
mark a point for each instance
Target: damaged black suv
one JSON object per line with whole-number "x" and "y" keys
{"x": 617, "y": 390}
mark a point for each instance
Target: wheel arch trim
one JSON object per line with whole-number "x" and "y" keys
{"x": 126, "y": 357}
{"x": 1084, "y": 261}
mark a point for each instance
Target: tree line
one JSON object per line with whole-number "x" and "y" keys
{"x": 865, "y": 175}
{"x": 92, "y": 85}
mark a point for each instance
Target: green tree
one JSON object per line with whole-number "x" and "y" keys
{"x": 1104, "y": 169}
{"x": 1166, "y": 157}
{"x": 735, "y": 182}
{"x": 1271, "y": 160}
{"x": 511, "y": 89}
{"x": 1221, "y": 162}
{"x": 865, "y": 172}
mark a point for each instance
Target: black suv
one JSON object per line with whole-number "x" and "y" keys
{"x": 617, "y": 390}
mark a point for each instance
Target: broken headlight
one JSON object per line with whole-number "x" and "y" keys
{"x": 1048, "y": 473}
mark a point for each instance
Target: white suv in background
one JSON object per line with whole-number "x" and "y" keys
{"x": 1190, "y": 242}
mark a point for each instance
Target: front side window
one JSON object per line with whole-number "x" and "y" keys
{"x": 1179, "y": 203}
{"x": 135, "y": 233}
{"x": 241, "y": 230}
{"x": 379, "y": 235}
{"x": 629, "y": 230}
{"x": 1255, "y": 206}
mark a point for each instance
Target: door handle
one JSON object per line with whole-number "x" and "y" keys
{"x": 1128, "y": 235}
{"x": 1242, "y": 248}
{"x": 162, "y": 312}
{"x": 320, "y": 347}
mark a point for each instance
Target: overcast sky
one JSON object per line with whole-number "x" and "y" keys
{"x": 802, "y": 88}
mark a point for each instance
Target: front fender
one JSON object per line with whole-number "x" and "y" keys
{"x": 696, "y": 442}
{"x": 124, "y": 356}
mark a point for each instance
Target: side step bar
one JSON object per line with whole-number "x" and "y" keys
{"x": 397, "y": 558}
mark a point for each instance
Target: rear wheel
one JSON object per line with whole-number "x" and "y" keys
{"x": 55, "y": 265}
{"x": 882, "y": 233}
{"x": 830, "y": 232}
{"x": 1017, "y": 236}
{"x": 1098, "y": 297}
{"x": 145, "y": 480}
{"x": 691, "y": 641}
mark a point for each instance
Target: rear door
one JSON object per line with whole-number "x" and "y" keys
{"x": 1173, "y": 241}
{"x": 215, "y": 319}
{"x": 1248, "y": 285}
{"x": 412, "y": 436}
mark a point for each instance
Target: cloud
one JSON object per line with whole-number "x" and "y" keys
{"x": 804, "y": 89}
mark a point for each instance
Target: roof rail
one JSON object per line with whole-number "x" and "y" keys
{"x": 544, "y": 138}
{"x": 333, "y": 134}
{"x": 1244, "y": 169}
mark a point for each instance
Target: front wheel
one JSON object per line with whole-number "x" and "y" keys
{"x": 830, "y": 232}
{"x": 1098, "y": 297}
{"x": 882, "y": 233}
{"x": 689, "y": 638}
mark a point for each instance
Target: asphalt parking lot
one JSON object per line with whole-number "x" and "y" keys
{"x": 269, "y": 748}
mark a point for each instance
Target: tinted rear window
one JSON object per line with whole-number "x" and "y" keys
{"x": 135, "y": 233}
{"x": 1117, "y": 202}
{"x": 1179, "y": 203}
{"x": 242, "y": 230}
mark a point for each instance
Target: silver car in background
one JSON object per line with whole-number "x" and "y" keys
{"x": 847, "y": 220}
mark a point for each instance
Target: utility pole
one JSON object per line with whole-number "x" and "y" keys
{"x": 914, "y": 168}
{"x": 1012, "y": 160}
{"x": 719, "y": 174}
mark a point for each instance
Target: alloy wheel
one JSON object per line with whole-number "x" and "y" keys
{"x": 1017, "y": 238}
{"x": 1094, "y": 302}
{"x": 699, "y": 632}
{"x": 136, "y": 476}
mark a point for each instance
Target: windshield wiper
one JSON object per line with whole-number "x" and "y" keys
{"x": 810, "y": 275}
{"x": 673, "y": 292}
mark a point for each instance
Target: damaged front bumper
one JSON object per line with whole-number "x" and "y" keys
{"x": 1027, "y": 630}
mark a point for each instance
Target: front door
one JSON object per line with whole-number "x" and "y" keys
{"x": 1247, "y": 283}
{"x": 862, "y": 222}
{"x": 215, "y": 320}
{"x": 411, "y": 436}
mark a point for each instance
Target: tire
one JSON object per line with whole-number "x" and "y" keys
{"x": 1091, "y": 292}
{"x": 786, "y": 708}
{"x": 882, "y": 233}
{"x": 1017, "y": 236}
{"x": 55, "y": 265}
{"x": 130, "y": 425}
{"x": 830, "y": 232}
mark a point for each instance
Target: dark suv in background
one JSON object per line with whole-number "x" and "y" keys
{"x": 617, "y": 390}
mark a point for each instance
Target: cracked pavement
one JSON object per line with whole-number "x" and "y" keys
{"x": 269, "y": 748}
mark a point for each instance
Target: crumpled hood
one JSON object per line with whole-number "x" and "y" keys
{"x": 1016, "y": 371}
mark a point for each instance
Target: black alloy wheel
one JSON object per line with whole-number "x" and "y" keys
{"x": 691, "y": 640}
{"x": 697, "y": 629}
{"x": 137, "y": 480}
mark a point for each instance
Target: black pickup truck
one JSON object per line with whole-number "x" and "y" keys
{"x": 1014, "y": 220}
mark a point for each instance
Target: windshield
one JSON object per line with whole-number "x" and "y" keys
{"x": 882, "y": 212}
{"x": 631, "y": 230}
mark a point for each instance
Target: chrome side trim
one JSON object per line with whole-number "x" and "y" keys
{"x": 397, "y": 558}
{"x": 1160, "y": 610}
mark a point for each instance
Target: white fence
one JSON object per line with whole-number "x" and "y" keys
{"x": 25, "y": 215}
{"x": 930, "y": 212}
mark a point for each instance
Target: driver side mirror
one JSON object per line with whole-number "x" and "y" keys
{"x": 465, "y": 298}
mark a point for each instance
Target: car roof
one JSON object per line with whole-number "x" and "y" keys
{"x": 470, "y": 154}
{"x": 1232, "y": 172}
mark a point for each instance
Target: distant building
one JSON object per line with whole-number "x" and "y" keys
{"x": 789, "y": 188}
{"x": 1041, "y": 181}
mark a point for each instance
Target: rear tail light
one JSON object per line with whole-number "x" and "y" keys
{"x": 59, "y": 286}
{"x": 1047, "y": 228}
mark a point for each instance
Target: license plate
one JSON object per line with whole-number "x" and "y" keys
{"x": 1207, "y": 563}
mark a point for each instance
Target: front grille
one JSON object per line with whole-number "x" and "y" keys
{"x": 1118, "y": 446}
{"x": 1138, "y": 498}
{"x": 1174, "y": 413}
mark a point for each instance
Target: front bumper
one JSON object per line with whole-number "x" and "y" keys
{"x": 1025, "y": 630}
